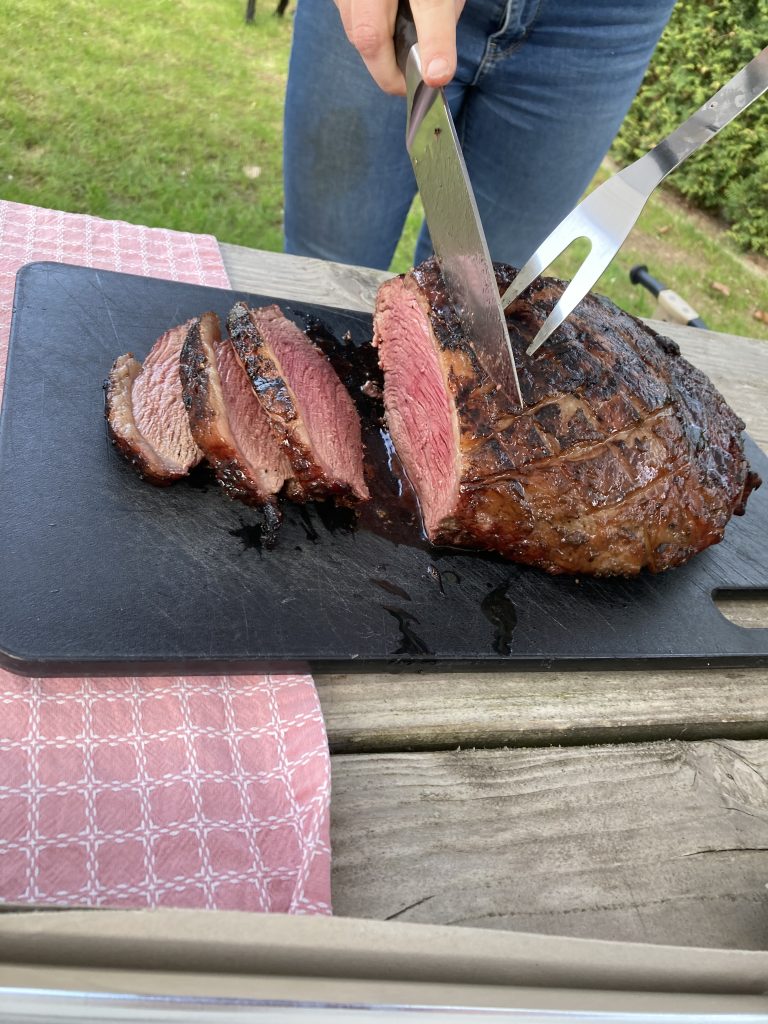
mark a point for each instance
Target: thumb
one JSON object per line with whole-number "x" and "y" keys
{"x": 435, "y": 22}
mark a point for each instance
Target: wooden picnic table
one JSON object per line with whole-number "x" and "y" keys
{"x": 628, "y": 805}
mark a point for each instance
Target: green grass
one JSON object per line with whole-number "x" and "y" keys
{"x": 147, "y": 110}
{"x": 151, "y": 111}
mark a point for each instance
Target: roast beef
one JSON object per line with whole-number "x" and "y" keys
{"x": 624, "y": 457}
{"x": 145, "y": 411}
{"x": 227, "y": 420}
{"x": 307, "y": 405}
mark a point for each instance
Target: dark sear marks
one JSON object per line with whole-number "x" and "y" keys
{"x": 624, "y": 458}
{"x": 227, "y": 421}
{"x": 309, "y": 410}
{"x": 267, "y": 412}
{"x": 145, "y": 411}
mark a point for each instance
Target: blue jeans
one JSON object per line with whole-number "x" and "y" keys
{"x": 541, "y": 89}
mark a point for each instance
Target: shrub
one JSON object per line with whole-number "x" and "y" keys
{"x": 704, "y": 44}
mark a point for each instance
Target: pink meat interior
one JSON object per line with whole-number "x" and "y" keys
{"x": 421, "y": 414}
{"x": 158, "y": 405}
{"x": 249, "y": 424}
{"x": 328, "y": 413}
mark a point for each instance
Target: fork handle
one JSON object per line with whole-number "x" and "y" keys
{"x": 735, "y": 96}
{"x": 405, "y": 34}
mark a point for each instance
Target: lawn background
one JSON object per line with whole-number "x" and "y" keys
{"x": 169, "y": 113}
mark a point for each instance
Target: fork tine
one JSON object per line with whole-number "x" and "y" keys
{"x": 584, "y": 278}
{"x": 547, "y": 253}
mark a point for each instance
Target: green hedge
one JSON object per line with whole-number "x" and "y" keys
{"x": 704, "y": 44}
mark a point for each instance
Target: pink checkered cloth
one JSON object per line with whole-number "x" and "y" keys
{"x": 143, "y": 792}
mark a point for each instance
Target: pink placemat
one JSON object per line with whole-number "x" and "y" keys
{"x": 141, "y": 792}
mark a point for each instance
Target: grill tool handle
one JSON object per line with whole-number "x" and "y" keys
{"x": 405, "y": 34}
{"x": 672, "y": 306}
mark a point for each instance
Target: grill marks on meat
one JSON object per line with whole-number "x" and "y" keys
{"x": 625, "y": 456}
{"x": 145, "y": 411}
{"x": 307, "y": 405}
{"x": 266, "y": 409}
{"x": 227, "y": 420}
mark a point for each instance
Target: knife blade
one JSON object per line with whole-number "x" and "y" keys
{"x": 451, "y": 214}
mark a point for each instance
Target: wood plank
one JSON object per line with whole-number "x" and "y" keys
{"x": 294, "y": 948}
{"x": 738, "y": 366}
{"x": 439, "y": 710}
{"x": 749, "y": 612}
{"x": 297, "y": 279}
{"x": 660, "y": 843}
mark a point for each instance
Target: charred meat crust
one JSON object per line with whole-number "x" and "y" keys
{"x": 625, "y": 456}
{"x": 310, "y": 480}
{"x": 272, "y": 391}
{"x": 122, "y": 429}
{"x": 145, "y": 411}
{"x": 209, "y": 422}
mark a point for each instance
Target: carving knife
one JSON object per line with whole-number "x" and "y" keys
{"x": 451, "y": 213}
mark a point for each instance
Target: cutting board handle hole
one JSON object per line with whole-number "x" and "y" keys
{"x": 747, "y": 608}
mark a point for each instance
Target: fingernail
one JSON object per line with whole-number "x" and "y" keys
{"x": 438, "y": 68}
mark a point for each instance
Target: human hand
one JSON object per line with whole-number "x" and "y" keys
{"x": 370, "y": 27}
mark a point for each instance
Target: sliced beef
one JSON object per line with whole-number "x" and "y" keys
{"x": 227, "y": 420}
{"x": 309, "y": 409}
{"x": 145, "y": 411}
{"x": 625, "y": 456}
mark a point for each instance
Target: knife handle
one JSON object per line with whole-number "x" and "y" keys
{"x": 405, "y": 33}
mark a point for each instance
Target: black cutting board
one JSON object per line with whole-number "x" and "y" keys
{"x": 103, "y": 573}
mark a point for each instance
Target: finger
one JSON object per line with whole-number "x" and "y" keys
{"x": 344, "y": 8}
{"x": 436, "y": 30}
{"x": 370, "y": 27}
